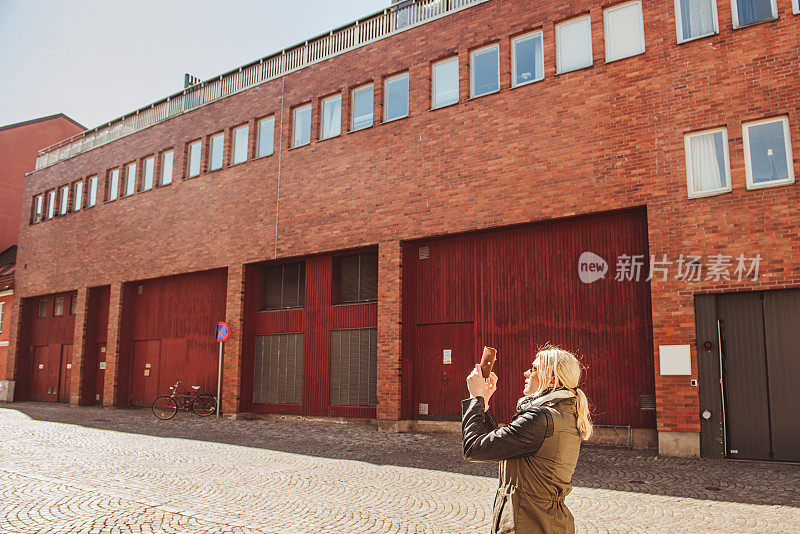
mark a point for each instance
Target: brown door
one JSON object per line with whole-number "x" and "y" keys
{"x": 146, "y": 356}
{"x": 53, "y": 370}
{"x": 445, "y": 355}
{"x": 65, "y": 373}
{"x": 101, "y": 373}
{"x": 39, "y": 373}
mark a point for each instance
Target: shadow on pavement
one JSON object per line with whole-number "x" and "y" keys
{"x": 598, "y": 467}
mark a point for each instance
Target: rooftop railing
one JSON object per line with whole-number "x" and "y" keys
{"x": 399, "y": 17}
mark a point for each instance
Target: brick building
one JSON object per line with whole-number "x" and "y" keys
{"x": 369, "y": 208}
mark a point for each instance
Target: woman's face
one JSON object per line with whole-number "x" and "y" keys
{"x": 531, "y": 380}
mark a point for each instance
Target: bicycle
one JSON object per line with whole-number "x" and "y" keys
{"x": 166, "y": 406}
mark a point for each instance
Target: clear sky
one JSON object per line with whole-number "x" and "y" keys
{"x": 96, "y": 60}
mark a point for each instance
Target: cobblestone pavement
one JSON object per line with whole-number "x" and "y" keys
{"x": 65, "y": 469}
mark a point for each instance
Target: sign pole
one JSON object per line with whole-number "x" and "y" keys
{"x": 223, "y": 333}
{"x": 219, "y": 377}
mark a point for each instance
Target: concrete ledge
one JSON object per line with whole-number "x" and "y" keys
{"x": 394, "y": 426}
{"x": 253, "y": 416}
{"x": 681, "y": 444}
{"x": 7, "y": 390}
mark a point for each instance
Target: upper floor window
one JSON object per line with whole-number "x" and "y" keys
{"x": 216, "y": 144}
{"x": 194, "y": 155}
{"x": 42, "y": 311}
{"x": 796, "y": 6}
{"x": 395, "y": 97}
{"x": 574, "y": 44}
{"x": 768, "y": 153}
{"x": 282, "y": 286}
{"x": 113, "y": 184}
{"x": 624, "y": 30}
{"x": 747, "y": 12}
{"x": 331, "y": 117}
{"x": 361, "y": 107}
{"x": 64, "y": 200}
{"x": 73, "y": 304}
{"x": 695, "y": 19}
{"x": 444, "y": 88}
{"x": 51, "y": 204}
{"x": 77, "y": 196}
{"x": 130, "y": 179}
{"x": 2, "y": 314}
{"x": 527, "y": 61}
{"x": 166, "y": 167}
{"x": 708, "y": 169}
{"x": 58, "y": 307}
{"x": 355, "y": 278}
{"x": 38, "y": 206}
{"x": 239, "y": 148}
{"x": 91, "y": 200}
{"x": 301, "y": 126}
{"x": 148, "y": 169}
{"x": 266, "y": 137}
{"x": 485, "y": 71}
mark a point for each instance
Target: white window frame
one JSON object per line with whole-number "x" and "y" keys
{"x": 322, "y": 122}
{"x": 540, "y": 59}
{"x": 735, "y": 10}
{"x": 449, "y": 60}
{"x": 63, "y": 200}
{"x": 689, "y": 176}
{"x": 148, "y": 163}
{"x": 617, "y": 7}
{"x": 130, "y": 181}
{"x": 190, "y": 160}
{"x": 91, "y": 196}
{"x": 38, "y": 208}
{"x": 77, "y": 196}
{"x": 113, "y": 185}
{"x": 295, "y": 141}
{"x": 215, "y": 141}
{"x": 164, "y": 178}
{"x": 2, "y": 313}
{"x": 259, "y": 131}
{"x": 51, "y": 203}
{"x": 559, "y": 61}
{"x": 747, "y": 159}
{"x": 386, "y": 83}
{"x": 369, "y": 88}
{"x": 236, "y": 146}
{"x": 58, "y": 306}
{"x": 796, "y": 7}
{"x": 679, "y": 23}
{"x": 495, "y": 46}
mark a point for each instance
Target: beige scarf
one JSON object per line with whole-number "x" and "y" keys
{"x": 526, "y": 403}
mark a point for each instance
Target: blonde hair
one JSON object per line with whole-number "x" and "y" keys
{"x": 556, "y": 368}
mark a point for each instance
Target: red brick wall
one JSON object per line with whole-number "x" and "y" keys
{"x": 602, "y": 138}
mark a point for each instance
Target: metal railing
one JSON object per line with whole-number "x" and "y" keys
{"x": 376, "y": 26}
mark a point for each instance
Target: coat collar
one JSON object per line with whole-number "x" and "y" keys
{"x": 526, "y": 403}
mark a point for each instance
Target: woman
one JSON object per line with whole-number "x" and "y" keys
{"x": 538, "y": 450}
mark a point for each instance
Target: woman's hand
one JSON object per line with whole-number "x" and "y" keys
{"x": 480, "y": 387}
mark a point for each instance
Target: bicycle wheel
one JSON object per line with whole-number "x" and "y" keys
{"x": 204, "y": 405}
{"x": 165, "y": 407}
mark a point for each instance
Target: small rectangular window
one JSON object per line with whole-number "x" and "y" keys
{"x": 130, "y": 179}
{"x": 92, "y": 199}
{"x": 58, "y": 307}
{"x": 395, "y": 97}
{"x": 746, "y": 12}
{"x": 195, "y": 153}
{"x": 2, "y": 314}
{"x": 282, "y": 286}
{"x": 64, "y": 200}
{"x": 361, "y": 107}
{"x": 42, "y": 312}
{"x": 166, "y": 167}
{"x": 527, "y": 60}
{"x": 768, "y": 153}
{"x": 574, "y": 44}
{"x": 38, "y": 204}
{"x": 624, "y": 30}
{"x": 444, "y": 87}
{"x": 73, "y": 304}
{"x": 485, "y": 71}
{"x": 239, "y": 149}
{"x": 354, "y": 367}
{"x": 695, "y": 19}
{"x": 51, "y": 204}
{"x": 148, "y": 168}
{"x": 266, "y": 137}
{"x": 795, "y": 6}
{"x": 707, "y": 164}
{"x": 331, "y": 117}
{"x": 355, "y": 278}
{"x": 113, "y": 184}
{"x": 301, "y": 126}
{"x": 216, "y": 145}
{"x": 77, "y": 197}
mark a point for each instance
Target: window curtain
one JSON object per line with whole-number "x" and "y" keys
{"x": 697, "y": 18}
{"x": 751, "y": 11}
{"x": 333, "y": 125}
{"x": 706, "y": 173}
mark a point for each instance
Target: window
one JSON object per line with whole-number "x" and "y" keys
{"x": 331, "y": 117}
{"x": 216, "y": 144}
{"x": 796, "y": 6}
{"x": 444, "y": 89}
{"x": 130, "y": 179}
{"x": 768, "y": 153}
{"x": 361, "y": 107}
{"x": 113, "y": 184}
{"x": 42, "y": 312}
{"x": 354, "y": 367}
{"x": 166, "y": 167}
{"x": 266, "y": 137}
{"x": 574, "y": 44}
{"x": 695, "y": 19}
{"x": 77, "y": 197}
{"x": 2, "y": 310}
{"x": 239, "y": 149}
{"x": 282, "y": 286}
{"x": 64, "y": 200}
{"x": 485, "y": 70}
{"x": 58, "y": 307}
{"x": 278, "y": 369}
{"x": 355, "y": 278}
{"x": 624, "y": 29}
{"x": 527, "y": 60}
{"x": 38, "y": 203}
{"x": 193, "y": 165}
{"x": 301, "y": 126}
{"x": 73, "y": 304}
{"x": 92, "y": 199}
{"x": 148, "y": 168}
{"x": 395, "y": 97}
{"x": 747, "y": 12}
{"x": 708, "y": 169}
{"x": 51, "y": 204}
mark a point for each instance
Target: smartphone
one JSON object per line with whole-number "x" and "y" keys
{"x": 487, "y": 361}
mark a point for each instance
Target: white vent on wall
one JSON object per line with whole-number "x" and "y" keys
{"x": 424, "y": 253}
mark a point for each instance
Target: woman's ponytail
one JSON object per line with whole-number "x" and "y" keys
{"x": 584, "y": 419}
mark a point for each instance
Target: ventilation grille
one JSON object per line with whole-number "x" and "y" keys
{"x": 424, "y": 253}
{"x": 647, "y": 403}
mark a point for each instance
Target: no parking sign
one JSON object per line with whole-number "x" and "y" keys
{"x": 223, "y": 331}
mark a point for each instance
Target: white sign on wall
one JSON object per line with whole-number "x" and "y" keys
{"x": 447, "y": 356}
{"x": 675, "y": 359}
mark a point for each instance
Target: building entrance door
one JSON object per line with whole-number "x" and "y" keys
{"x": 146, "y": 357}
{"x": 446, "y": 354}
{"x": 101, "y": 373}
{"x": 65, "y": 373}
